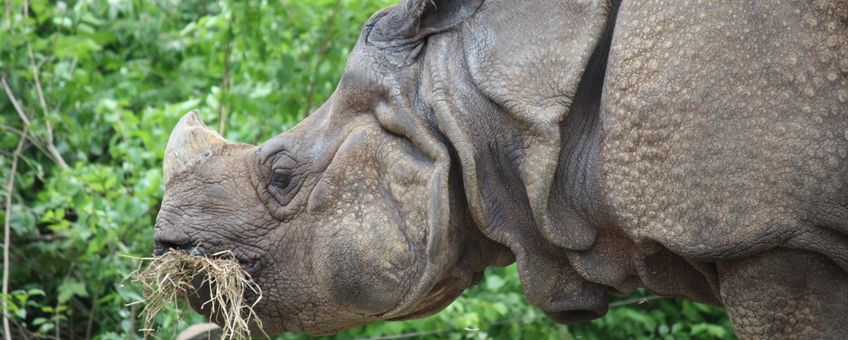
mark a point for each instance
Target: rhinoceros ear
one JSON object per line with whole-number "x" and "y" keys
{"x": 412, "y": 20}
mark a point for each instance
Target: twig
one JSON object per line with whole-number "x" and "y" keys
{"x": 91, "y": 314}
{"x": 636, "y": 300}
{"x": 32, "y": 139}
{"x": 322, "y": 53}
{"x": 10, "y": 186}
{"x": 43, "y": 238}
{"x": 414, "y": 334}
{"x": 225, "y": 82}
{"x": 21, "y": 330}
{"x": 50, "y": 146}
{"x": 14, "y": 101}
{"x": 57, "y": 329}
{"x": 8, "y": 11}
{"x": 132, "y": 320}
{"x": 16, "y": 104}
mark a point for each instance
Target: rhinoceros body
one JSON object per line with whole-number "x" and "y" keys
{"x": 696, "y": 149}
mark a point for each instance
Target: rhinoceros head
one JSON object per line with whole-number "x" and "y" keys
{"x": 373, "y": 207}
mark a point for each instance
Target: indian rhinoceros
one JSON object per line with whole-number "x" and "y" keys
{"x": 698, "y": 149}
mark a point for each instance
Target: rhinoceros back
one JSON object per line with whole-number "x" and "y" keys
{"x": 725, "y": 126}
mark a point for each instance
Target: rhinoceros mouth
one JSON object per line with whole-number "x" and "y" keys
{"x": 198, "y": 248}
{"x": 200, "y": 296}
{"x": 204, "y": 296}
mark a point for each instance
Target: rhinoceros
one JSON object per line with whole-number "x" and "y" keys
{"x": 697, "y": 149}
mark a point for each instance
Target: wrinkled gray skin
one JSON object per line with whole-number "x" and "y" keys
{"x": 698, "y": 150}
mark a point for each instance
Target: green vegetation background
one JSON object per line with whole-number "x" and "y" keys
{"x": 114, "y": 77}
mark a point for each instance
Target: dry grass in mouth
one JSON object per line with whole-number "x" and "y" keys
{"x": 167, "y": 278}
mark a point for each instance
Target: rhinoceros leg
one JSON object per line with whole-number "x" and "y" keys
{"x": 785, "y": 294}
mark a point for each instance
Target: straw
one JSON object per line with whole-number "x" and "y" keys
{"x": 167, "y": 278}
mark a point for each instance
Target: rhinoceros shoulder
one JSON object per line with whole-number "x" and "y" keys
{"x": 725, "y": 128}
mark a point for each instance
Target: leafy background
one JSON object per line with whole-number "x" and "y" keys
{"x": 100, "y": 84}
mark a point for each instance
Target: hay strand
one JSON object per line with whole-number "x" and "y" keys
{"x": 168, "y": 278}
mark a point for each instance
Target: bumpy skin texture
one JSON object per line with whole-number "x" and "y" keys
{"x": 698, "y": 149}
{"x": 787, "y": 294}
{"x": 725, "y": 135}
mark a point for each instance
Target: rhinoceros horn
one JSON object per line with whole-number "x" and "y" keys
{"x": 190, "y": 142}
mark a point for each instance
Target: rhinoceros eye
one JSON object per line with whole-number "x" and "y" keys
{"x": 281, "y": 179}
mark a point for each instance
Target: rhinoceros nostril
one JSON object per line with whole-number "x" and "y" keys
{"x": 191, "y": 248}
{"x": 162, "y": 247}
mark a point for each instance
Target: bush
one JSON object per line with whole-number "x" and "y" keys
{"x": 115, "y": 77}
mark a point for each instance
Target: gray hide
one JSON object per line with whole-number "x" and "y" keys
{"x": 698, "y": 149}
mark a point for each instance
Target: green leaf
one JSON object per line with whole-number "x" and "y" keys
{"x": 35, "y": 292}
{"x": 39, "y": 321}
{"x": 74, "y": 47}
{"x": 493, "y": 283}
{"x": 70, "y": 288}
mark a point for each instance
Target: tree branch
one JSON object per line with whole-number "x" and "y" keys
{"x": 92, "y": 312}
{"x": 636, "y": 300}
{"x": 21, "y": 330}
{"x": 32, "y": 139}
{"x": 27, "y": 123}
{"x": 50, "y": 146}
{"x": 225, "y": 81}
{"x": 8, "y": 11}
{"x": 322, "y": 53}
{"x": 14, "y": 101}
{"x": 10, "y": 186}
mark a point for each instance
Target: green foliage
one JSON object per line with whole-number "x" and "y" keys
{"x": 115, "y": 77}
